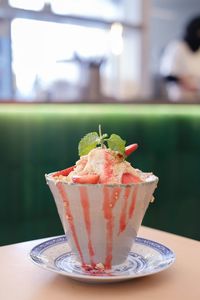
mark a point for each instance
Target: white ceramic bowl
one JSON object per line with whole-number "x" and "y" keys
{"x": 101, "y": 221}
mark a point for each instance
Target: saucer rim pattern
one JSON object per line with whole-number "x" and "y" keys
{"x": 167, "y": 255}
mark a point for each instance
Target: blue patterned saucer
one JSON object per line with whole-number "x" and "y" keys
{"x": 145, "y": 258}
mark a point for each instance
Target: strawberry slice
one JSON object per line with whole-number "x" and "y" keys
{"x": 91, "y": 179}
{"x": 131, "y": 148}
{"x": 130, "y": 178}
{"x": 64, "y": 172}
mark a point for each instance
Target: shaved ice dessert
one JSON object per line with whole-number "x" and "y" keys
{"x": 101, "y": 201}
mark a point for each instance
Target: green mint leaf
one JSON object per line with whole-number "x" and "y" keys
{"x": 116, "y": 143}
{"x": 87, "y": 143}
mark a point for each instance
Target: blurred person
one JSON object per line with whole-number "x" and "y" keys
{"x": 180, "y": 64}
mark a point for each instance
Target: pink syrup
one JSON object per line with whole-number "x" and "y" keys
{"x": 86, "y": 213}
{"x": 123, "y": 217}
{"x": 108, "y": 205}
{"x": 70, "y": 219}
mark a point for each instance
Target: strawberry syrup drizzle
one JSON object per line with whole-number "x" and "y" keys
{"x": 123, "y": 217}
{"x": 108, "y": 205}
{"x": 133, "y": 202}
{"x": 86, "y": 213}
{"x": 108, "y": 169}
{"x": 70, "y": 219}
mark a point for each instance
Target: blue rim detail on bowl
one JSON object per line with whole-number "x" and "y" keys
{"x": 38, "y": 249}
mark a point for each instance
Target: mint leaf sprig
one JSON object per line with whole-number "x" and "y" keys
{"x": 116, "y": 143}
{"x": 94, "y": 139}
{"x": 102, "y": 137}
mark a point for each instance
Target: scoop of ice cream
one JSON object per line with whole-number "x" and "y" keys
{"x": 104, "y": 166}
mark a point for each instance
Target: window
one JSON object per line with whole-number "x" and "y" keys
{"x": 44, "y": 53}
{"x": 74, "y": 50}
{"x": 88, "y": 8}
{"x": 27, "y": 4}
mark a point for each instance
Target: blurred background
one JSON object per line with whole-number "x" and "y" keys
{"x": 91, "y": 50}
{"x": 67, "y": 66}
